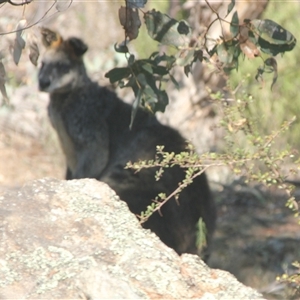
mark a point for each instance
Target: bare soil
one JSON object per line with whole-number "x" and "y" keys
{"x": 257, "y": 238}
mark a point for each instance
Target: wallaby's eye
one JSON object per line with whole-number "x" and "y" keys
{"x": 64, "y": 67}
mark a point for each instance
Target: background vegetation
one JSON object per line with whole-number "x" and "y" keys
{"x": 270, "y": 108}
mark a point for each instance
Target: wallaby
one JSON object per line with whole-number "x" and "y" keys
{"x": 93, "y": 128}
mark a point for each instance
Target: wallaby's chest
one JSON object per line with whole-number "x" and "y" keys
{"x": 59, "y": 123}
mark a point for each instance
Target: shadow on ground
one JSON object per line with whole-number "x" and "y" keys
{"x": 257, "y": 238}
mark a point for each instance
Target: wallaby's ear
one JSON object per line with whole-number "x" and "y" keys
{"x": 50, "y": 38}
{"x": 77, "y": 45}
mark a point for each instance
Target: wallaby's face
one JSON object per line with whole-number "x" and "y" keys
{"x": 62, "y": 66}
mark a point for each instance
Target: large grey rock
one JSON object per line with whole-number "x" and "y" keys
{"x": 76, "y": 239}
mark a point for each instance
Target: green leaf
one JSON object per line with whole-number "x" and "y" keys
{"x": 131, "y": 82}
{"x": 169, "y": 60}
{"x": 272, "y": 32}
{"x": 122, "y": 48}
{"x": 166, "y": 30}
{"x": 271, "y": 37}
{"x": 272, "y": 63}
{"x": 142, "y": 79}
{"x": 183, "y": 28}
{"x": 149, "y": 94}
{"x": 230, "y": 7}
{"x": 160, "y": 70}
{"x": 147, "y": 67}
{"x": 224, "y": 53}
{"x": 201, "y": 240}
{"x": 185, "y": 57}
{"x": 187, "y": 70}
{"x": 130, "y": 20}
{"x": 198, "y": 55}
{"x": 163, "y": 101}
{"x": 174, "y": 81}
{"x": 154, "y": 55}
{"x": 274, "y": 49}
{"x": 135, "y": 107}
{"x": 135, "y": 3}
{"x": 153, "y": 98}
{"x": 234, "y": 25}
{"x": 117, "y": 74}
{"x": 270, "y": 66}
{"x": 131, "y": 59}
{"x": 228, "y": 53}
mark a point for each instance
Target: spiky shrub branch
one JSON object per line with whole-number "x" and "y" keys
{"x": 247, "y": 153}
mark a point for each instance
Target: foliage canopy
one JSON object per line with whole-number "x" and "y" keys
{"x": 146, "y": 76}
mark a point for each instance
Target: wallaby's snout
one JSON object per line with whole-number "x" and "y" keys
{"x": 44, "y": 81}
{"x": 62, "y": 68}
{"x": 43, "y": 84}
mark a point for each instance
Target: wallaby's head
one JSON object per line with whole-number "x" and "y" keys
{"x": 62, "y": 66}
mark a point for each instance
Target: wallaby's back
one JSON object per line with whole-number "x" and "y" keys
{"x": 93, "y": 129}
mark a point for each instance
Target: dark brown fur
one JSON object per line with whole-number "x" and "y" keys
{"x": 93, "y": 128}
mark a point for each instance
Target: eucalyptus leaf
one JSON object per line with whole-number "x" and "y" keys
{"x": 130, "y": 20}
{"x": 187, "y": 70}
{"x": 230, "y": 7}
{"x": 117, "y": 74}
{"x": 167, "y": 30}
{"x": 131, "y": 59}
{"x": 271, "y": 37}
{"x": 2, "y": 83}
{"x": 147, "y": 67}
{"x": 150, "y": 94}
{"x": 34, "y": 50}
{"x": 122, "y": 48}
{"x": 168, "y": 59}
{"x": 224, "y": 53}
{"x": 185, "y": 57}
{"x": 135, "y": 107}
{"x": 272, "y": 32}
{"x": 142, "y": 80}
{"x": 274, "y": 49}
{"x": 19, "y": 43}
{"x": 234, "y": 24}
{"x": 136, "y": 3}
{"x": 174, "y": 81}
{"x": 272, "y": 64}
{"x": 163, "y": 100}
{"x": 160, "y": 70}
{"x": 228, "y": 53}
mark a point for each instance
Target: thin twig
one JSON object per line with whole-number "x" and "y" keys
{"x": 37, "y": 22}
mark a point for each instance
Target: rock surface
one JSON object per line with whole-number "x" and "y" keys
{"x": 75, "y": 239}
